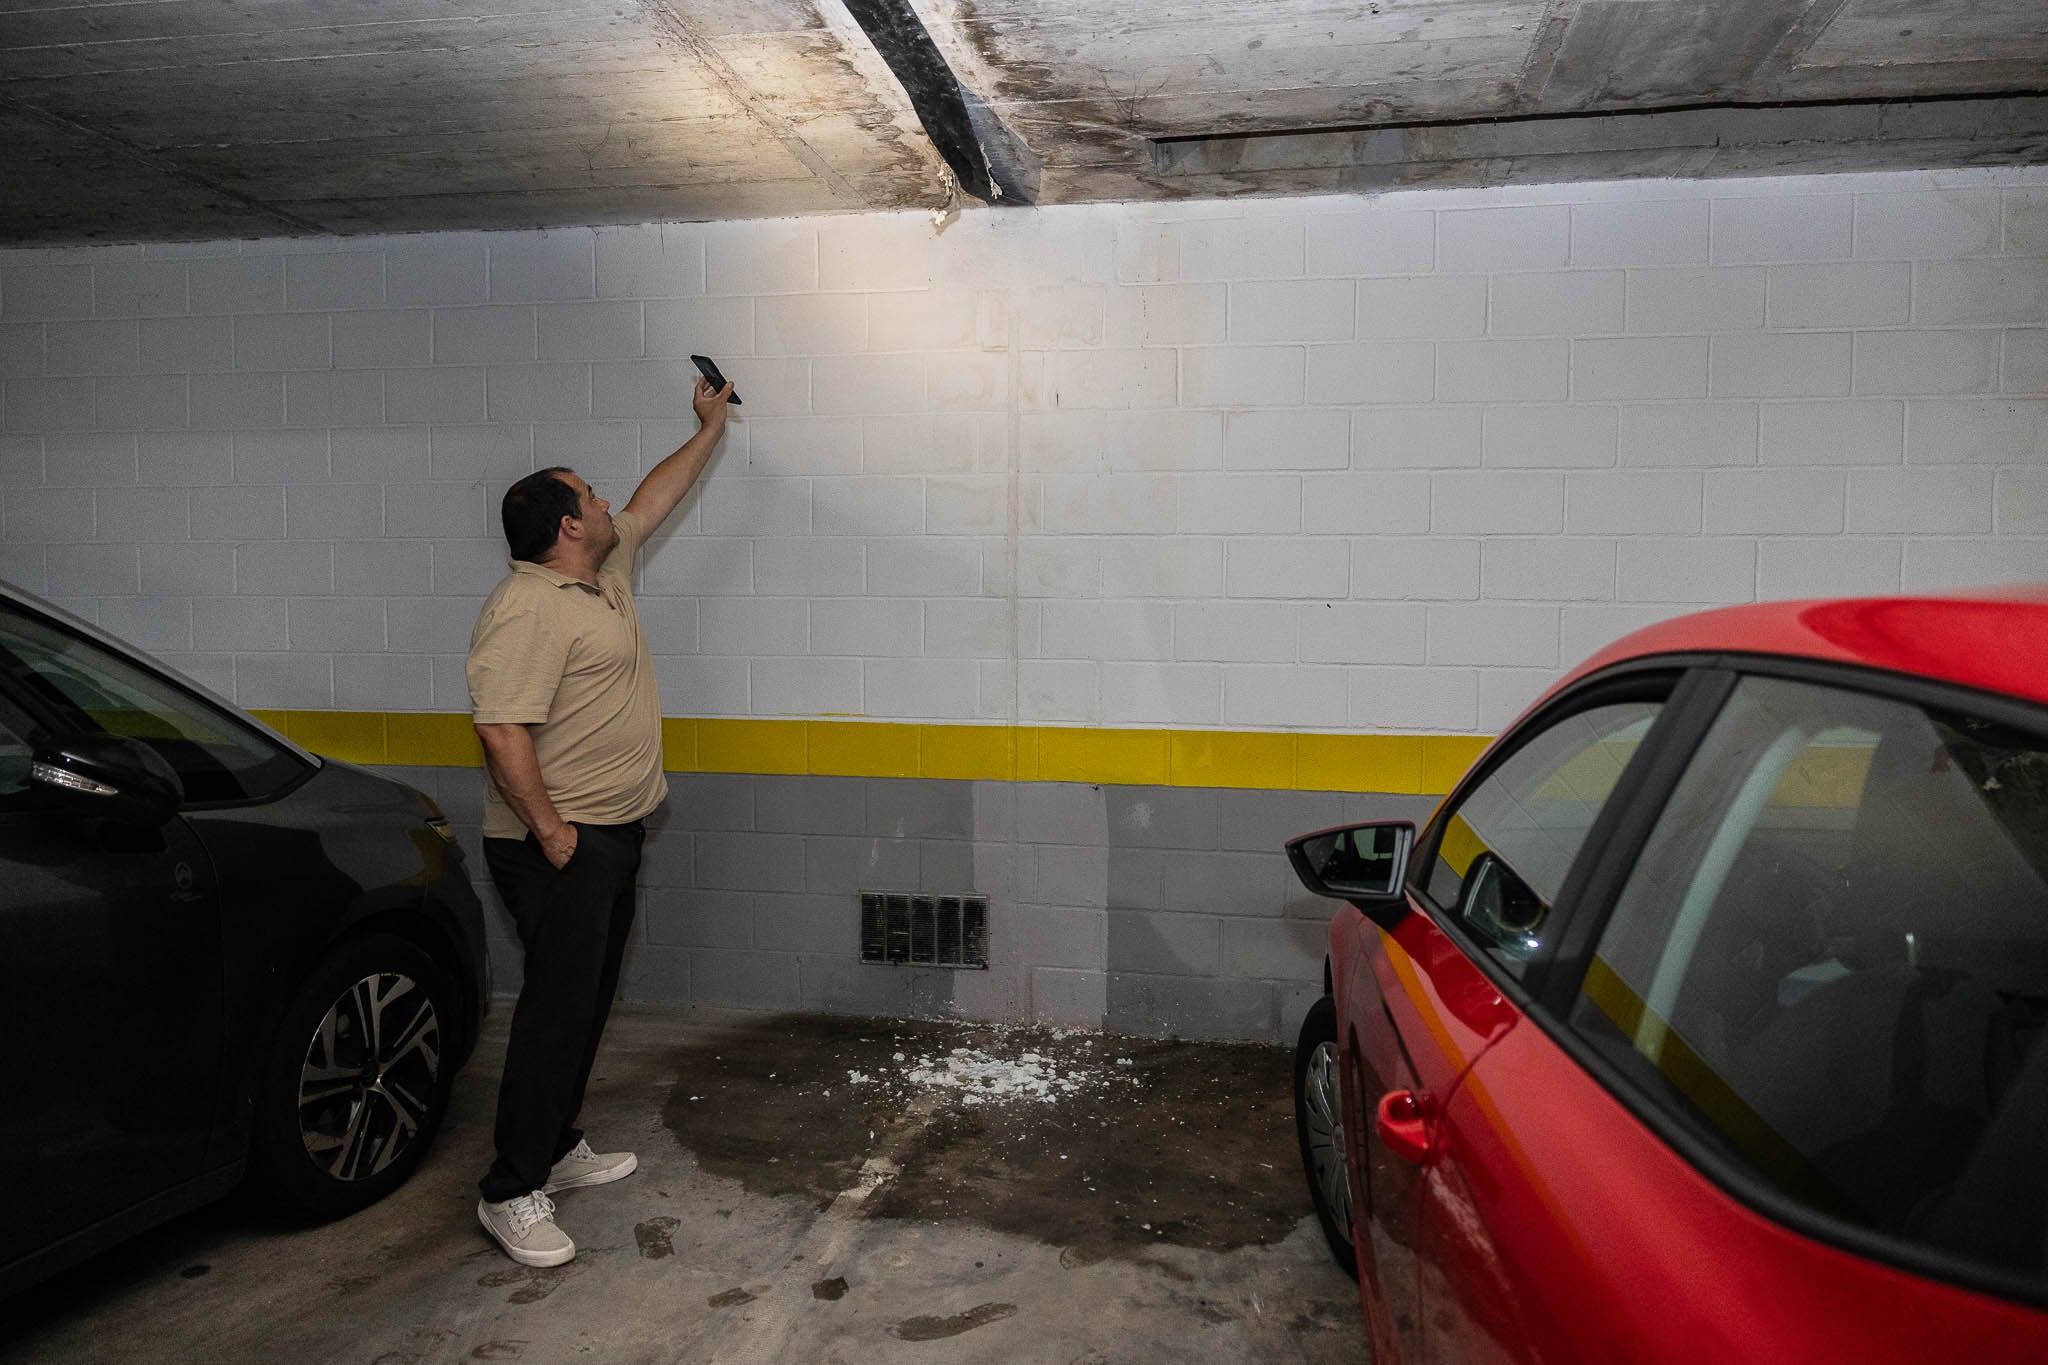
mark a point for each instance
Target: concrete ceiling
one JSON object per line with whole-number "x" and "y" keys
{"x": 173, "y": 119}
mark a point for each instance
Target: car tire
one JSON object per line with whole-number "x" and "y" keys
{"x": 356, "y": 1081}
{"x": 1319, "y": 1127}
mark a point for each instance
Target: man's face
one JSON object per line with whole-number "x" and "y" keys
{"x": 595, "y": 514}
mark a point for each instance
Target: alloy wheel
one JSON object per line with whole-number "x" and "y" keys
{"x": 367, "y": 1082}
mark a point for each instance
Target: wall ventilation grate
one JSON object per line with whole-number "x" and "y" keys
{"x": 924, "y": 931}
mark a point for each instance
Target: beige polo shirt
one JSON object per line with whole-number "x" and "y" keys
{"x": 570, "y": 662}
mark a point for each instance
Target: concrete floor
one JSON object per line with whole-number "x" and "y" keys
{"x": 787, "y": 1210}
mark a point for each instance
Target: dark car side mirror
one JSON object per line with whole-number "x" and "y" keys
{"x": 1365, "y": 864}
{"x": 105, "y": 775}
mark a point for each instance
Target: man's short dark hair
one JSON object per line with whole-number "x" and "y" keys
{"x": 533, "y": 510}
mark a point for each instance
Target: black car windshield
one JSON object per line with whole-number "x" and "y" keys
{"x": 94, "y": 689}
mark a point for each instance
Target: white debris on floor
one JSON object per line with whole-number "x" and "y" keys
{"x": 995, "y": 1074}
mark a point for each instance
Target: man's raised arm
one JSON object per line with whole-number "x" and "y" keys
{"x": 668, "y": 481}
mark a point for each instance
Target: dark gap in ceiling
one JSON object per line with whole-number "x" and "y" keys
{"x": 1716, "y": 138}
{"x": 1583, "y": 115}
{"x": 946, "y": 110}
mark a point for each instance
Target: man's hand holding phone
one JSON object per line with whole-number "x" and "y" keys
{"x": 709, "y": 369}
{"x": 665, "y": 485}
{"x": 709, "y": 402}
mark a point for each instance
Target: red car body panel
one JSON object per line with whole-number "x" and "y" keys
{"x": 1447, "y": 1013}
{"x": 1661, "y": 1263}
{"x": 1549, "y": 1223}
{"x": 1992, "y": 642}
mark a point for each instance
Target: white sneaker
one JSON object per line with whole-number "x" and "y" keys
{"x": 525, "y": 1227}
{"x": 585, "y": 1167}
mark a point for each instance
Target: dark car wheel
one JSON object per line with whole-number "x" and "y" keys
{"x": 357, "y": 1080}
{"x": 1319, "y": 1124}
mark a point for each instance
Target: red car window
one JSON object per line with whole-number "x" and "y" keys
{"x": 1831, "y": 961}
{"x": 1499, "y": 858}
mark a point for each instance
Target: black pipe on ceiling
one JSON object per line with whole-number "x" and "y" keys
{"x": 942, "y": 105}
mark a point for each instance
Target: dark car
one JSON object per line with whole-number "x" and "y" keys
{"x": 1708, "y": 1017}
{"x": 225, "y": 957}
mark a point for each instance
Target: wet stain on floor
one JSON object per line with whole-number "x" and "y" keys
{"x": 420, "y": 1344}
{"x": 830, "y": 1290}
{"x": 534, "y": 1284}
{"x": 1188, "y": 1143}
{"x": 731, "y": 1298}
{"x": 937, "y": 1329}
{"x": 656, "y": 1237}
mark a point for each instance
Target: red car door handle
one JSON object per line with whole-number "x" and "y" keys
{"x": 1399, "y": 1124}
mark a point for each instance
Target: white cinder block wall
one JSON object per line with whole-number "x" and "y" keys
{"x": 1336, "y": 464}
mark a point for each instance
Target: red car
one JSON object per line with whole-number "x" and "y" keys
{"x": 1705, "y": 1019}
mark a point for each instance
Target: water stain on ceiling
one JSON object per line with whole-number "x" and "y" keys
{"x": 184, "y": 119}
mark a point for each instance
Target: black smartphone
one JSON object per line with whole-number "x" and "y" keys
{"x": 709, "y": 368}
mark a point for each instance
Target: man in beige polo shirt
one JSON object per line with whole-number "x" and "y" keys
{"x": 562, "y": 687}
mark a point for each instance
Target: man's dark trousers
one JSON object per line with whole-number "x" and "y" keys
{"x": 573, "y": 924}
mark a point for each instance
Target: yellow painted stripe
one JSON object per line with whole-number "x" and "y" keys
{"x": 1446, "y": 757}
{"x": 971, "y": 752}
{"x": 1206, "y": 758}
{"x": 679, "y": 744}
{"x": 749, "y": 746}
{"x": 850, "y": 749}
{"x": 1363, "y": 763}
{"x": 1138, "y": 758}
{"x": 435, "y": 741}
{"x": 1279, "y": 761}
